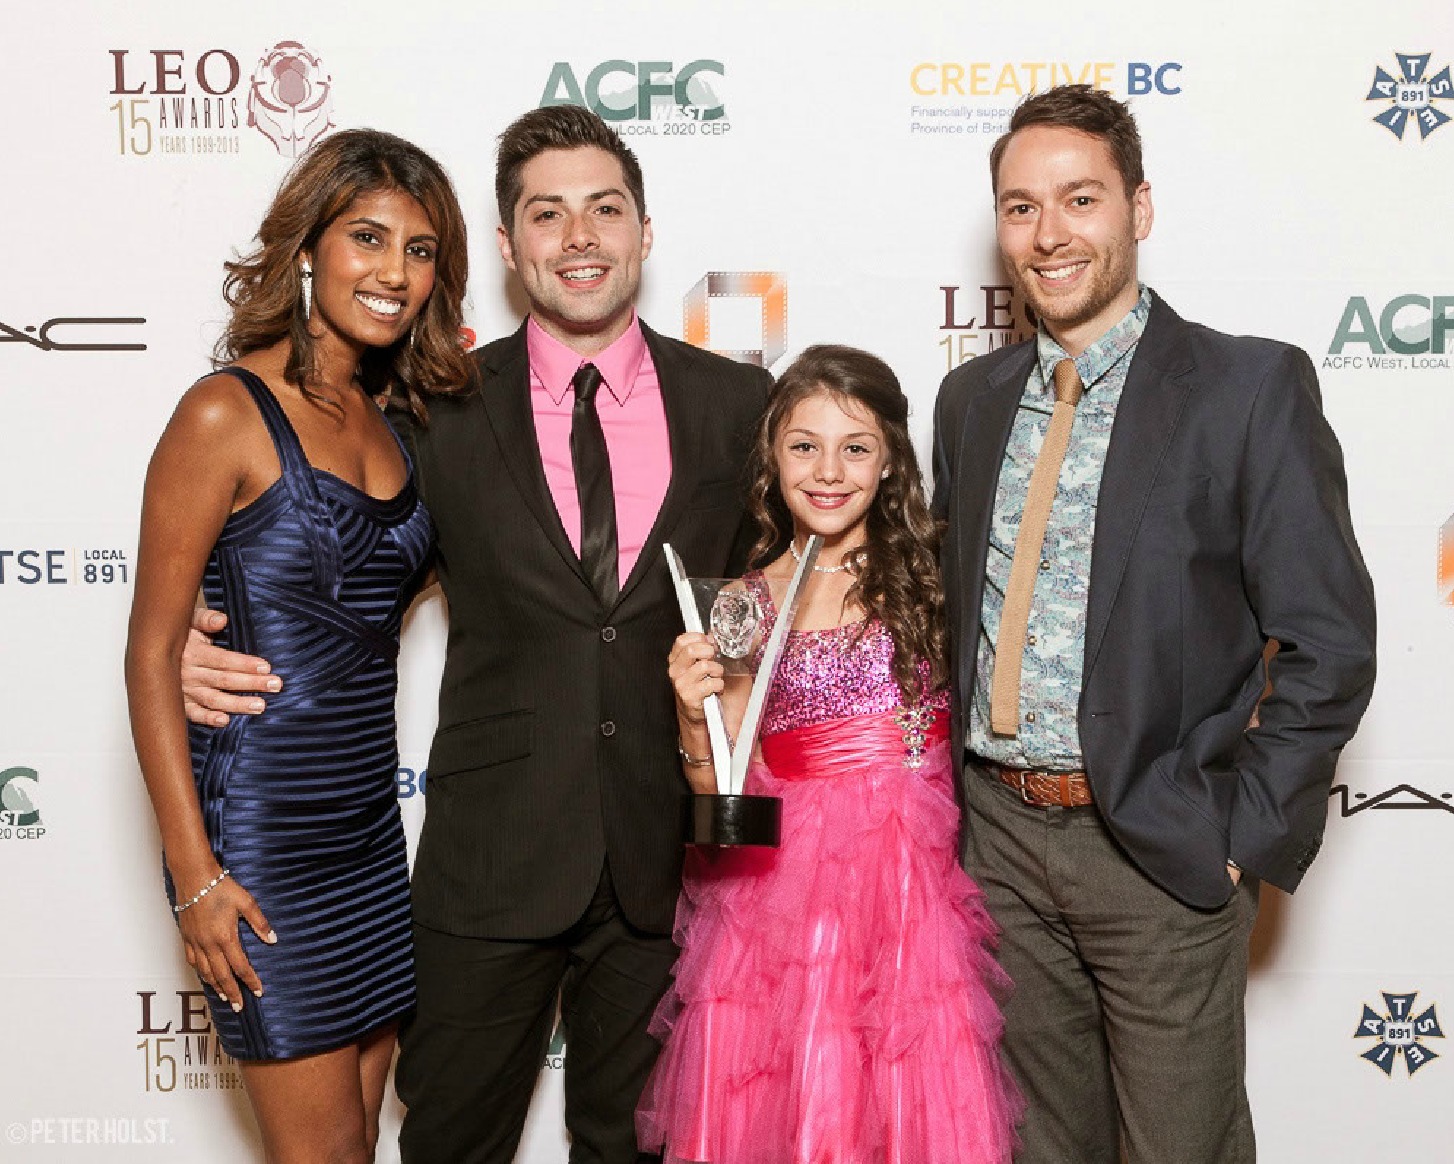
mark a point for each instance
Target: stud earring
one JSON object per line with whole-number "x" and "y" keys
{"x": 885, "y": 474}
{"x": 307, "y": 276}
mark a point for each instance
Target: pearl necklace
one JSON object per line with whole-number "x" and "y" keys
{"x": 838, "y": 569}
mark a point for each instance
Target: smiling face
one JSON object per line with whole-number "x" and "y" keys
{"x": 831, "y": 455}
{"x": 1067, "y": 231}
{"x": 577, "y": 242}
{"x": 373, "y": 270}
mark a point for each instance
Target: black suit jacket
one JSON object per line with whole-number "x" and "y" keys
{"x": 1222, "y": 522}
{"x": 556, "y": 744}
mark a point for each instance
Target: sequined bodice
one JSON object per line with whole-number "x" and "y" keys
{"x": 831, "y": 674}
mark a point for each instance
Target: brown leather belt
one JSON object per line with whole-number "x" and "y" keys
{"x": 1043, "y": 789}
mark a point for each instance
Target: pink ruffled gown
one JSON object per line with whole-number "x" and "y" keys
{"x": 834, "y": 999}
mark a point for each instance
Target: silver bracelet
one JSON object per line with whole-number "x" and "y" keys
{"x": 690, "y": 760}
{"x": 203, "y": 892}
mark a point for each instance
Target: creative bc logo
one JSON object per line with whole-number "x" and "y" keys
{"x": 943, "y": 90}
{"x": 652, "y": 98}
{"x": 20, "y": 805}
{"x": 1412, "y": 95}
{"x": 170, "y": 101}
{"x": 1399, "y": 1033}
{"x": 750, "y": 307}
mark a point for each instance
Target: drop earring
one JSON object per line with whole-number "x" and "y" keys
{"x": 307, "y": 277}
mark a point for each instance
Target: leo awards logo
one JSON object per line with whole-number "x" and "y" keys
{"x": 746, "y": 310}
{"x": 20, "y": 805}
{"x": 170, "y": 102}
{"x": 646, "y": 98}
{"x": 978, "y": 320}
{"x": 179, "y": 1047}
{"x": 1399, "y": 1034}
{"x": 1411, "y": 96}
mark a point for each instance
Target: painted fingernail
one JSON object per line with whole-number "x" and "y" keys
{"x": 257, "y": 993}
{"x": 256, "y": 706}
{"x": 271, "y": 937}
{"x": 237, "y": 1007}
{"x": 275, "y": 684}
{"x": 219, "y": 720}
{"x": 263, "y": 668}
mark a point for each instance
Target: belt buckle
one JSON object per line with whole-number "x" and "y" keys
{"x": 1025, "y": 790}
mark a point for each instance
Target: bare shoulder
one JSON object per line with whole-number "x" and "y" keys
{"x": 216, "y": 407}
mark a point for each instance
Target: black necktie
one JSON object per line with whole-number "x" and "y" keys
{"x": 593, "y": 487}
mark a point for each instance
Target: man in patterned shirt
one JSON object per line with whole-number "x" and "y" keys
{"x": 1147, "y": 525}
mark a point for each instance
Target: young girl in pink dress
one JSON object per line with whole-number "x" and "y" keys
{"x": 833, "y": 1003}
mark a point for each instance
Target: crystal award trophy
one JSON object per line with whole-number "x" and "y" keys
{"x": 749, "y": 646}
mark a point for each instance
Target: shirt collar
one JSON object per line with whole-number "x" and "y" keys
{"x": 1101, "y": 356}
{"x": 554, "y": 364}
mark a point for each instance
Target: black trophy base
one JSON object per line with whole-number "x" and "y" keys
{"x": 734, "y": 820}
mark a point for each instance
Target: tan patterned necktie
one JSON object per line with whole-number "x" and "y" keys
{"x": 1015, "y": 617}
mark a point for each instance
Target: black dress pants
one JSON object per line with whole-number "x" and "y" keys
{"x": 471, "y": 1055}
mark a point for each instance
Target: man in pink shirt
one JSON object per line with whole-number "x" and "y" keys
{"x": 550, "y": 859}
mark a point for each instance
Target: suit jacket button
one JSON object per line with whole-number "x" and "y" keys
{"x": 608, "y": 729}
{"x": 608, "y": 634}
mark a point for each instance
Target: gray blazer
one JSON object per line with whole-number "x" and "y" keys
{"x": 1222, "y": 522}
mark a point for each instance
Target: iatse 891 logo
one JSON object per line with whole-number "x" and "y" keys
{"x": 96, "y": 566}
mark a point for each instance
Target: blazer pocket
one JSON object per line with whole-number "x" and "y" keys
{"x": 1181, "y": 494}
{"x": 482, "y": 743}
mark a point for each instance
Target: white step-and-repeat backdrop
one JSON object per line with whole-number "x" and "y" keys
{"x": 815, "y": 171}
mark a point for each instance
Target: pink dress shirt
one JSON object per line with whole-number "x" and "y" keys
{"x": 633, "y": 420}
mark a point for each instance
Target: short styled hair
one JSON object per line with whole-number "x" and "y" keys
{"x": 1088, "y": 110}
{"x": 557, "y": 127}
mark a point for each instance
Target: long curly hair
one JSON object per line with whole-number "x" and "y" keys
{"x": 265, "y": 288}
{"x": 896, "y": 572}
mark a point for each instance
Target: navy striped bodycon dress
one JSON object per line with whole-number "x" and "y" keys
{"x": 299, "y": 802}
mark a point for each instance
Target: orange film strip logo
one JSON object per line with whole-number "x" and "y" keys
{"x": 1446, "y": 562}
{"x": 767, "y": 286}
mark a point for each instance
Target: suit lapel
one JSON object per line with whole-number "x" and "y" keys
{"x": 683, "y": 424}
{"x": 988, "y": 418}
{"x": 505, "y": 398}
{"x": 1156, "y": 392}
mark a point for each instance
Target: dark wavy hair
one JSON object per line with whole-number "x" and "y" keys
{"x": 896, "y": 573}
{"x": 1088, "y": 110}
{"x": 265, "y": 288}
{"x": 557, "y": 127}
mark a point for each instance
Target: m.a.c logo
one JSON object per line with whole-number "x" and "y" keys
{"x": 645, "y": 97}
{"x": 77, "y": 333}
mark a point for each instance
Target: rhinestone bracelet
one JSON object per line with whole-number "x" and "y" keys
{"x": 203, "y": 892}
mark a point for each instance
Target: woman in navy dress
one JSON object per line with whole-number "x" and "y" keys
{"x": 281, "y": 493}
